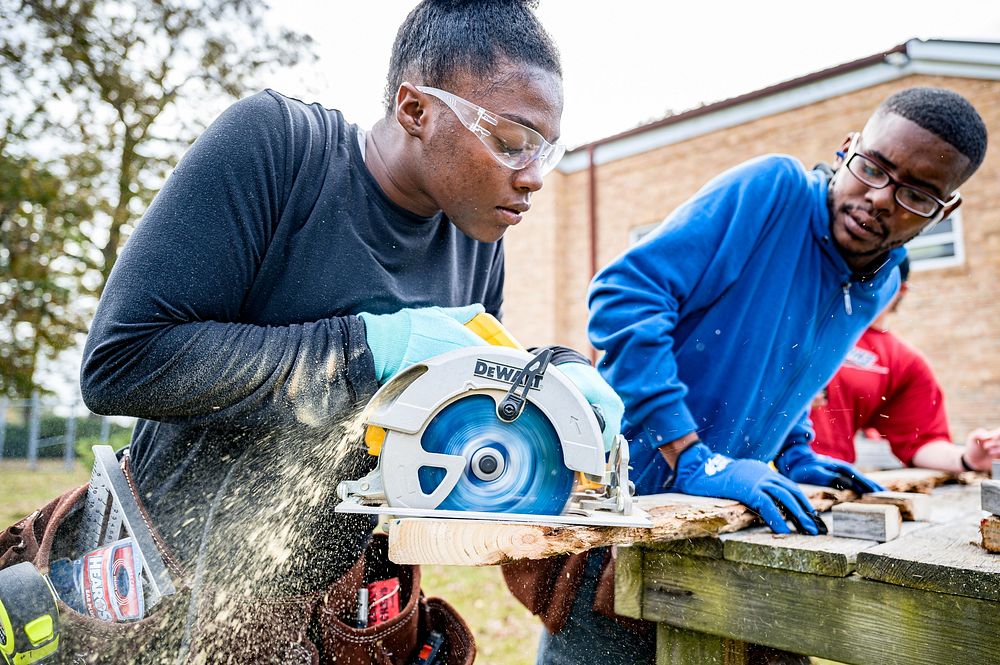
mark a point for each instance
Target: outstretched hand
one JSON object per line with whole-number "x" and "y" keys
{"x": 982, "y": 446}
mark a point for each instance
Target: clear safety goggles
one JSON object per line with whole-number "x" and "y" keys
{"x": 511, "y": 143}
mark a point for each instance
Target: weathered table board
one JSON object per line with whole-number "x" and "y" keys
{"x": 930, "y": 596}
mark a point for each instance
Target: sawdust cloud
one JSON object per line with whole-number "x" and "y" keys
{"x": 271, "y": 540}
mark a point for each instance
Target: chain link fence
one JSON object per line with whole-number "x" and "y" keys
{"x": 47, "y": 428}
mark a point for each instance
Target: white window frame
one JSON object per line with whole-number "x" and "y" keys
{"x": 954, "y": 237}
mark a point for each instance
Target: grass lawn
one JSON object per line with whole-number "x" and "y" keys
{"x": 506, "y": 634}
{"x": 23, "y": 491}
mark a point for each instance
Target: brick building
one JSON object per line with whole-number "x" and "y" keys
{"x": 604, "y": 195}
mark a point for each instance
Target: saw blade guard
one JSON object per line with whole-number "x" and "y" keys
{"x": 560, "y": 434}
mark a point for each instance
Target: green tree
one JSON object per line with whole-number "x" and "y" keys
{"x": 100, "y": 97}
{"x": 41, "y": 262}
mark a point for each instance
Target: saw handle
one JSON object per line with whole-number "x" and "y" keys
{"x": 492, "y": 331}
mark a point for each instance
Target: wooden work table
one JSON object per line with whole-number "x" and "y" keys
{"x": 930, "y": 596}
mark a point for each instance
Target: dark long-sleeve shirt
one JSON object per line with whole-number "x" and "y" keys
{"x": 227, "y": 326}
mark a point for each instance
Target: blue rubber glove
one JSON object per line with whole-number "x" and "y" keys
{"x": 413, "y": 335}
{"x": 802, "y": 465}
{"x": 599, "y": 394}
{"x": 751, "y": 482}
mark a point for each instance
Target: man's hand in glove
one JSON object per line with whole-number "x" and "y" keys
{"x": 751, "y": 482}
{"x": 802, "y": 465}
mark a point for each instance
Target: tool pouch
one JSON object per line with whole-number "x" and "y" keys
{"x": 21, "y": 541}
{"x": 50, "y": 533}
{"x": 207, "y": 625}
{"x": 548, "y": 588}
{"x": 398, "y": 640}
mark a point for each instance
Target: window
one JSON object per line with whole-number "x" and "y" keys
{"x": 940, "y": 247}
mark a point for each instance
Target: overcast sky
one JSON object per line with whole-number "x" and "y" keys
{"x": 627, "y": 62}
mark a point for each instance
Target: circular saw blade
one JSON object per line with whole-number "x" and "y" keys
{"x": 534, "y": 478}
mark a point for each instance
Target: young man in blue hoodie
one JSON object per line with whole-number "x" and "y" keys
{"x": 720, "y": 327}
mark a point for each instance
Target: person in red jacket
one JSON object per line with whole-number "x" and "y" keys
{"x": 887, "y": 385}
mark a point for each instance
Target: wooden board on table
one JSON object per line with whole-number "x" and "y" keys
{"x": 945, "y": 558}
{"x": 990, "y": 496}
{"x": 913, "y": 506}
{"x": 911, "y": 480}
{"x": 429, "y": 540}
{"x": 989, "y": 529}
{"x": 869, "y": 521}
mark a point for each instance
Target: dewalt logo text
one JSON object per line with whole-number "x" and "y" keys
{"x": 504, "y": 373}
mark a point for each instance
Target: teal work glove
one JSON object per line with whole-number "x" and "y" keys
{"x": 598, "y": 393}
{"x": 413, "y": 335}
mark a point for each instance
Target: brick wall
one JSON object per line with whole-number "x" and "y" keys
{"x": 952, "y": 315}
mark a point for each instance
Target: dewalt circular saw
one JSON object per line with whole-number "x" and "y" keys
{"x": 29, "y": 616}
{"x": 491, "y": 432}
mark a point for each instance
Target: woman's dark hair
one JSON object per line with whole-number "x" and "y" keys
{"x": 442, "y": 37}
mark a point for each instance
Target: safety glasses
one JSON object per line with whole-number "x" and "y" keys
{"x": 869, "y": 171}
{"x": 511, "y": 143}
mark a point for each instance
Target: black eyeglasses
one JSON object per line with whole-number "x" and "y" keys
{"x": 873, "y": 174}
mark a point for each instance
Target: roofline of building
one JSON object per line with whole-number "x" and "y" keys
{"x": 971, "y": 59}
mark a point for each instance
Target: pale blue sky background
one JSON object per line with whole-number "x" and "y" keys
{"x": 630, "y": 61}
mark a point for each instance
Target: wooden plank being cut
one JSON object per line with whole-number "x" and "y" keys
{"x": 820, "y": 555}
{"x": 866, "y": 520}
{"x": 945, "y": 558}
{"x": 913, "y": 506}
{"x": 846, "y": 619}
{"x": 989, "y": 529}
{"x": 990, "y": 496}
{"x": 430, "y": 540}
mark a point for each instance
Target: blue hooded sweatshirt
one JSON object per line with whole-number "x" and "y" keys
{"x": 731, "y": 316}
